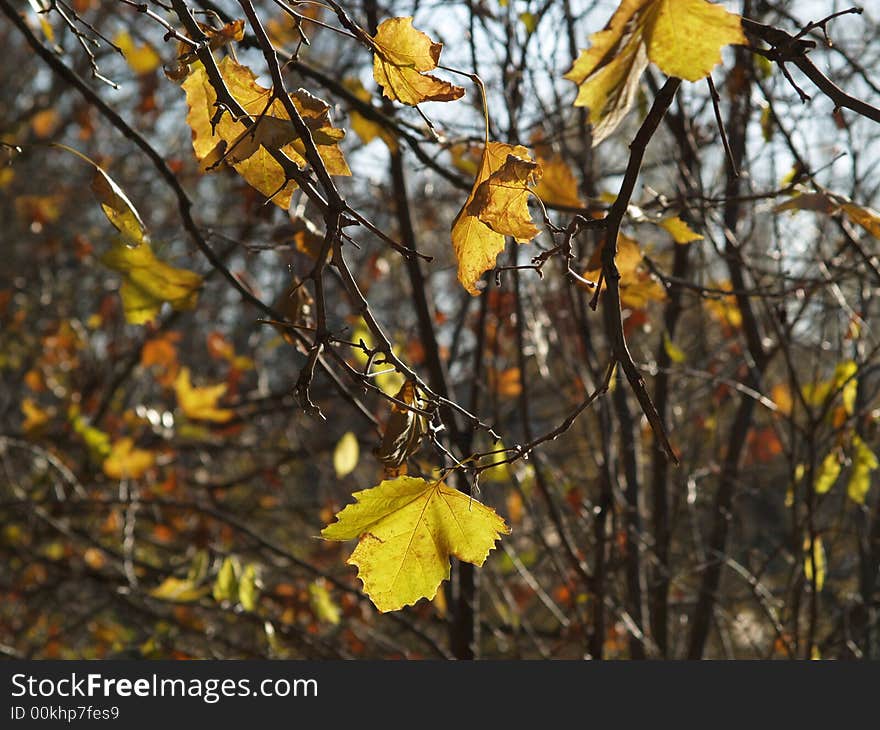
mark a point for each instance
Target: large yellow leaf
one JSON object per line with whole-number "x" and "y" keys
{"x": 148, "y": 282}
{"x": 476, "y": 242}
{"x": 127, "y": 462}
{"x": 200, "y": 404}
{"x": 402, "y": 56}
{"x": 251, "y": 150}
{"x": 408, "y": 529}
{"x": 683, "y": 37}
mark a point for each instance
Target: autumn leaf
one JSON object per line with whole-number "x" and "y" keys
{"x": 818, "y": 557}
{"x": 822, "y": 201}
{"x": 148, "y": 282}
{"x": 116, "y": 206}
{"x": 673, "y": 351}
{"x": 225, "y": 586}
{"x": 679, "y": 230}
{"x": 127, "y": 462}
{"x": 637, "y": 286}
{"x": 200, "y": 403}
{"x": 322, "y": 604}
{"x": 403, "y": 431}
{"x": 495, "y": 208}
{"x": 408, "y": 529}
{"x": 250, "y": 152}
{"x": 35, "y": 418}
{"x": 402, "y": 56}
{"x": 143, "y": 58}
{"x": 557, "y": 185}
{"x": 345, "y": 455}
{"x": 864, "y": 462}
{"x": 363, "y": 127}
{"x": 682, "y": 37}
{"x": 502, "y": 200}
{"x": 827, "y": 473}
{"x": 179, "y": 590}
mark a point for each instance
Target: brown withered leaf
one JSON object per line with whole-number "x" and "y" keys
{"x": 402, "y": 432}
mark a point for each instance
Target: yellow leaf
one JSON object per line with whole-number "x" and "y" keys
{"x": 226, "y": 584}
{"x": 724, "y": 310}
{"x": 818, "y": 558}
{"x": 557, "y": 185}
{"x": 97, "y": 442}
{"x": 502, "y": 200}
{"x": 408, "y": 528}
{"x": 388, "y": 380}
{"x": 200, "y": 404}
{"x": 259, "y": 168}
{"x": 345, "y": 455}
{"x": 148, "y": 282}
{"x": 679, "y": 230}
{"x": 143, "y": 58}
{"x": 34, "y": 417}
{"x": 828, "y": 472}
{"x": 402, "y": 56}
{"x": 864, "y": 462}
{"x": 118, "y": 208}
{"x": 843, "y": 382}
{"x": 363, "y": 127}
{"x": 683, "y": 37}
{"x": 180, "y": 590}
{"x": 676, "y": 354}
{"x": 127, "y": 462}
{"x": 865, "y": 217}
{"x": 322, "y": 603}
{"x": 637, "y": 287}
{"x": 781, "y": 396}
{"x": 248, "y": 591}
{"x": 475, "y": 242}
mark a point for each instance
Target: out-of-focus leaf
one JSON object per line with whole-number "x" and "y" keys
{"x": 179, "y": 590}
{"x": 127, "y": 462}
{"x": 323, "y": 606}
{"x": 675, "y": 353}
{"x": 226, "y": 584}
{"x": 142, "y": 58}
{"x": 818, "y": 557}
{"x": 345, "y": 455}
{"x": 248, "y": 590}
{"x": 827, "y": 473}
{"x": 149, "y": 282}
{"x": 679, "y": 230}
{"x": 864, "y": 462}
{"x": 200, "y": 403}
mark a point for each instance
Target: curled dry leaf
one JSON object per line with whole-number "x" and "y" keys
{"x": 403, "y": 431}
{"x": 496, "y": 207}
{"x": 402, "y": 56}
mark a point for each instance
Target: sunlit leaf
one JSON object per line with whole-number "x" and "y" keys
{"x": 402, "y": 56}
{"x": 408, "y": 529}
{"x": 149, "y": 282}
{"x": 476, "y": 243}
{"x": 127, "y": 462}
{"x": 179, "y": 590}
{"x": 322, "y": 603}
{"x": 683, "y": 37}
{"x": 557, "y": 185}
{"x": 864, "y": 462}
{"x": 200, "y": 403}
{"x": 679, "y": 230}
{"x": 225, "y": 586}
{"x": 675, "y": 353}
{"x": 142, "y": 58}
{"x": 345, "y": 455}
{"x": 818, "y": 557}
{"x": 827, "y": 473}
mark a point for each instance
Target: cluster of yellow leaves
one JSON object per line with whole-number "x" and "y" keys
{"x": 200, "y": 403}
{"x": 496, "y": 207}
{"x": 249, "y": 150}
{"x": 724, "y": 310}
{"x": 682, "y": 37}
{"x": 637, "y": 286}
{"x": 408, "y": 529}
{"x": 842, "y": 382}
{"x": 148, "y": 282}
{"x": 864, "y": 461}
{"x": 402, "y": 57}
